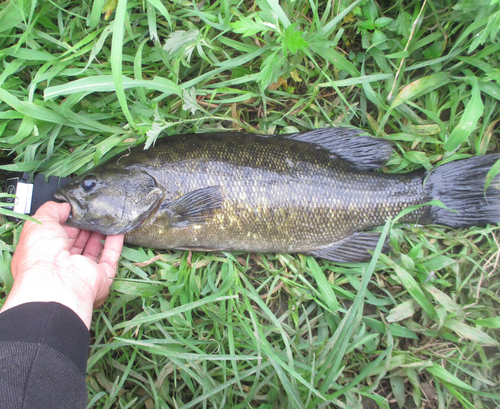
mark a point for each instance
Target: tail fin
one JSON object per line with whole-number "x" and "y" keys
{"x": 460, "y": 186}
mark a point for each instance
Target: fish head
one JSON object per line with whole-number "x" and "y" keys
{"x": 111, "y": 201}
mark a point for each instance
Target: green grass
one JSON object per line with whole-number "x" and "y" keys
{"x": 418, "y": 328}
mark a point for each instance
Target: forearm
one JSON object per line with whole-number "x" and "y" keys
{"x": 43, "y": 355}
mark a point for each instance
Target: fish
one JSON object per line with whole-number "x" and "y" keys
{"x": 317, "y": 193}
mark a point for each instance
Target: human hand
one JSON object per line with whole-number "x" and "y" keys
{"x": 60, "y": 263}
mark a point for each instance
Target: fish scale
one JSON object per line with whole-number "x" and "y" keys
{"x": 314, "y": 193}
{"x": 294, "y": 188}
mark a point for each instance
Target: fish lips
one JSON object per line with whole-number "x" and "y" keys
{"x": 76, "y": 213}
{"x": 78, "y": 219}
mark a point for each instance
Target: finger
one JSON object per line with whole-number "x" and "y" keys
{"x": 80, "y": 242}
{"x": 94, "y": 246}
{"x": 51, "y": 215}
{"x": 72, "y": 233}
{"x": 53, "y": 212}
{"x": 111, "y": 254}
{"x": 99, "y": 302}
{"x": 49, "y": 230}
{"x": 102, "y": 296}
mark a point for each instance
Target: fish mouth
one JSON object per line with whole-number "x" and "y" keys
{"x": 76, "y": 210}
{"x": 79, "y": 219}
{"x": 60, "y": 196}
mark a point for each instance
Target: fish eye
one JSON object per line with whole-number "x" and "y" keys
{"x": 88, "y": 183}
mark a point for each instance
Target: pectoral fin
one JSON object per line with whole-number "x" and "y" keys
{"x": 196, "y": 207}
{"x": 352, "y": 249}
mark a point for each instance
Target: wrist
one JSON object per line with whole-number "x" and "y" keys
{"x": 38, "y": 288}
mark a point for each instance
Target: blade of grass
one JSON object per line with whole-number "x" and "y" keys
{"x": 117, "y": 57}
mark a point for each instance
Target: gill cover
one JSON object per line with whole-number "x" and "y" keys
{"x": 111, "y": 201}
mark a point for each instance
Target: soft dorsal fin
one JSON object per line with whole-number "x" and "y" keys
{"x": 364, "y": 152}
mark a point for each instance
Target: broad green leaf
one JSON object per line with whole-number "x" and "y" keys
{"x": 420, "y": 87}
{"x": 22, "y": 166}
{"x": 490, "y": 88}
{"x": 227, "y": 65}
{"x": 275, "y": 6}
{"x": 470, "y": 28}
{"x": 358, "y": 80}
{"x": 13, "y": 13}
{"x": 10, "y": 69}
{"x": 419, "y": 158}
{"x": 445, "y": 300}
{"x": 378, "y": 38}
{"x": 162, "y": 9}
{"x": 238, "y": 45}
{"x": 28, "y": 54}
{"x": 403, "y": 311}
{"x": 106, "y": 83}
{"x": 248, "y": 27}
{"x": 319, "y": 44}
{"x": 5, "y": 271}
{"x": 398, "y": 389}
{"x": 471, "y": 333}
{"x": 327, "y": 30}
{"x": 293, "y": 40}
{"x": 142, "y": 320}
{"x": 181, "y": 40}
{"x": 441, "y": 373}
{"x": 495, "y": 169}
{"x": 324, "y": 287}
{"x": 478, "y": 63}
{"x": 398, "y": 55}
{"x": 410, "y": 209}
{"x": 95, "y": 14}
{"x": 105, "y": 146}
{"x": 438, "y": 262}
{"x": 468, "y": 121}
{"x": 189, "y": 102}
{"x": 383, "y": 21}
{"x": 137, "y": 288}
{"x": 10, "y": 213}
{"x": 136, "y": 255}
{"x": 152, "y": 26}
{"x": 271, "y": 68}
{"x": 439, "y": 60}
{"x": 340, "y": 62}
{"x": 97, "y": 47}
{"x": 411, "y": 285}
{"x": 493, "y": 322}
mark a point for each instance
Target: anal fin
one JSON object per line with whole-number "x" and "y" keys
{"x": 351, "y": 249}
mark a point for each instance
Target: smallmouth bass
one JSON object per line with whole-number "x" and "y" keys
{"x": 314, "y": 193}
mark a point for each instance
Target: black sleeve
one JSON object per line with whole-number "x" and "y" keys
{"x": 43, "y": 357}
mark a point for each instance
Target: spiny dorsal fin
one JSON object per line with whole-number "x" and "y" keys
{"x": 195, "y": 207}
{"x": 364, "y": 152}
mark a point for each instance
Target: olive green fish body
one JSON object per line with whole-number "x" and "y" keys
{"x": 247, "y": 192}
{"x": 278, "y": 195}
